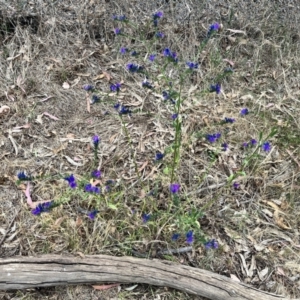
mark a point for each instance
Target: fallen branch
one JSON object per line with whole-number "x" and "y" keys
{"x": 51, "y": 270}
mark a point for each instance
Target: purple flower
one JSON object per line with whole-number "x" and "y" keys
{"x": 152, "y": 57}
{"x": 88, "y": 188}
{"x": 174, "y": 116}
{"x": 123, "y": 50}
{"x": 71, "y": 180}
{"x": 159, "y": 35}
{"x": 175, "y": 236}
{"x": 147, "y": 84}
{"x": 225, "y": 146}
{"x": 244, "y": 111}
{"x": 174, "y": 188}
{"x": 88, "y": 87}
{"x": 266, "y": 146}
{"x": 42, "y": 207}
{"x": 214, "y": 27}
{"x": 166, "y": 95}
{"x": 23, "y": 176}
{"x": 115, "y": 87}
{"x": 236, "y": 185}
{"x": 91, "y": 189}
{"x": 96, "y": 174}
{"x": 229, "y": 120}
{"x": 110, "y": 182}
{"x": 93, "y": 214}
{"x": 146, "y": 217}
{"x": 189, "y": 237}
{"x": 159, "y": 156}
{"x": 212, "y": 244}
{"x": 117, "y": 31}
{"x": 245, "y": 145}
{"x": 167, "y": 52}
{"x": 131, "y": 67}
{"x": 96, "y": 140}
{"x": 134, "y": 53}
{"x": 253, "y": 142}
{"x": 213, "y": 137}
{"x": 172, "y": 56}
{"x": 158, "y": 15}
{"x": 120, "y": 18}
{"x": 215, "y": 88}
{"x": 123, "y": 110}
{"x": 95, "y": 99}
{"x": 192, "y": 65}
{"x": 117, "y": 106}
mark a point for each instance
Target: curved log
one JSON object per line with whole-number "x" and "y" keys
{"x": 51, "y": 270}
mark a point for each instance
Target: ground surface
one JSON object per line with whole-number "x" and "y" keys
{"x": 49, "y": 50}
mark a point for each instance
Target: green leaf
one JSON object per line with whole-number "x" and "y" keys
{"x": 273, "y": 132}
{"x": 166, "y": 171}
{"x": 112, "y": 206}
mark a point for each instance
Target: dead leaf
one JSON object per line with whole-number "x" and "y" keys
{"x": 98, "y": 77}
{"x": 244, "y": 264}
{"x": 71, "y": 136}
{"x": 280, "y": 271}
{"x": 234, "y": 278}
{"x": 39, "y": 119}
{"x": 247, "y": 97}
{"x": 75, "y": 81}
{"x": 105, "y": 287}
{"x": 78, "y": 221}
{"x": 4, "y": 110}
{"x": 59, "y": 221}
{"x": 72, "y": 162}
{"x": 229, "y": 61}
{"x": 45, "y": 99}
{"x": 259, "y": 247}
{"x": 237, "y": 31}
{"x": 143, "y": 166}
{"x": 252, "y": 267}
{"x": 66, "y": 86}
{"x": 26, "y": 126}
{"x": 83, "y": 74}
{"x": 281, "y": 222}
{"x": 13, "y": 142}
{"x": 28, "y": 196}
{"x": 142, "y": 194}
{"x": 50, "y": 116}
{"x": 108, "y": 77}
{"x": 131, "y": 288}
{"x": 80, "y": 254}
{"x": 263, "y": 274}
{"x": 20, "y": 82}
{"x": 9, "y": 95}
{"x": 13, "y": 57}
{"x": 62, "y": 147}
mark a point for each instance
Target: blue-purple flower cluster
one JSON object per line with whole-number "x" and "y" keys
{"x": 172, "y": 56}
{"x": 92, "y": 189}
{"x": 71, "y": 180}
{"x": 122, "y": 110}
{"x": 213, "y": 137}
{"x": 43, "y": 207}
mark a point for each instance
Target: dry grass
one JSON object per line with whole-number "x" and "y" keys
{"x": 47, "y": 44}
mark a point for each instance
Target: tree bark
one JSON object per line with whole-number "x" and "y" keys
{"x": 51, "y": 270}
